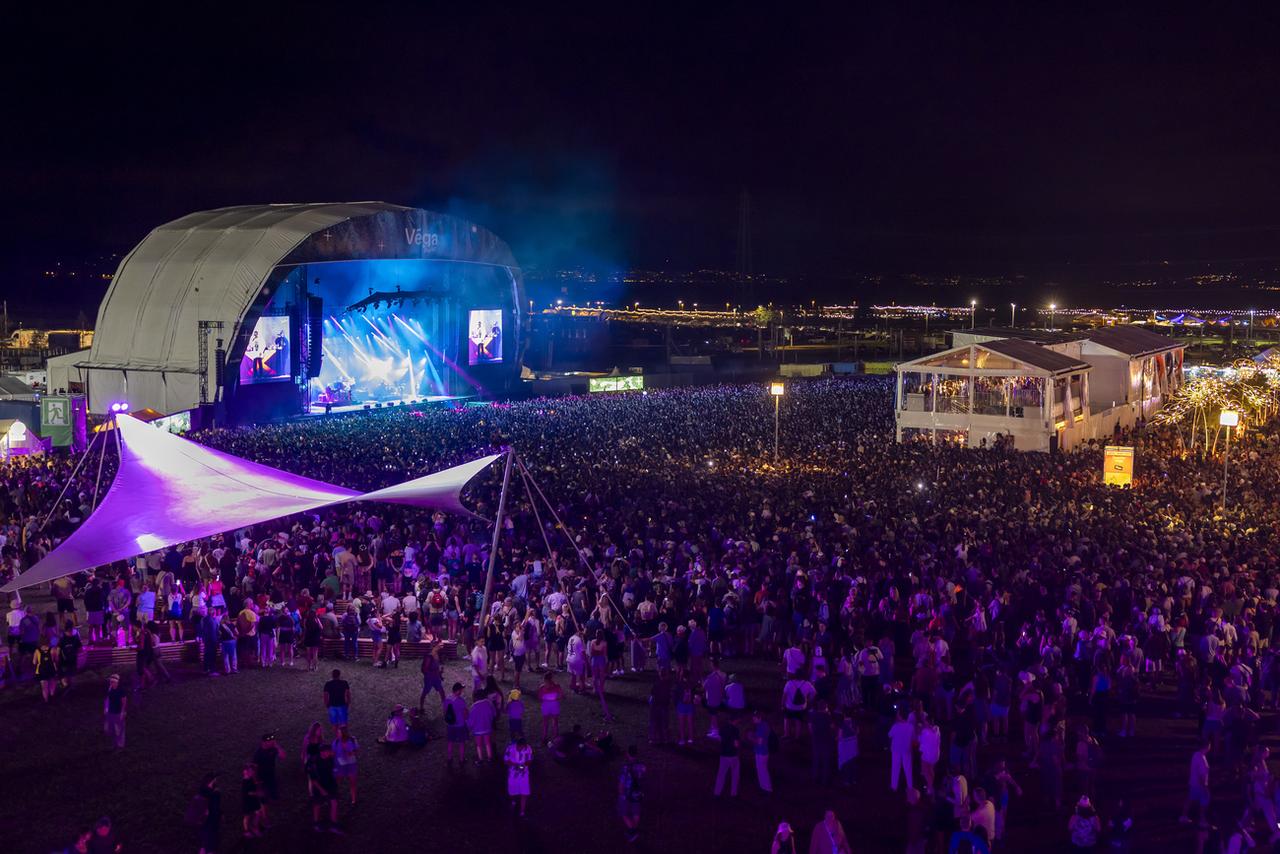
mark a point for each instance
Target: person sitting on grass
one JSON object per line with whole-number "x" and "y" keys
{"x": 417, "y": 728}
{"x": 397, "y": 732}
{"x": 575, "y": 745}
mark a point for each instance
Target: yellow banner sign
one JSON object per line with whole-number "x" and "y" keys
{"x": 1117, "y": 465}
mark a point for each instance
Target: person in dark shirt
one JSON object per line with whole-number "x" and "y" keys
{"x": 337, "y": 699}
{"x": 964, "y": 737}
{"x": 823, "y": 743}
{"x": 95, "y": 602}
{"x": 919, "y": 811}
{"x": 69, "y": 646}
{"x": 730, "y": 763}
{"x": 114, "y": 710}
{"x": 211, "y": 826}
{"x": 251, "y": 802}
{"x": 104, "y": 839}
{"x": 323, "y": 786}
{"x": 264, "y": 758}
{"x": 267, "y": 624}
{"x": 208, "y": 635}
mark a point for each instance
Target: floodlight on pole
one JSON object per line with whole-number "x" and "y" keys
{"x": 973, "y": 311}
{"x": 1013, "y": 306}
{"x": 1053, "y": 307}
{"x": 777, "y": 389}
{"x": 1227, "y": 418}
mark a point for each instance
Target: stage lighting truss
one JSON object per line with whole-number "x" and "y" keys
{"x": 378, "y": 300}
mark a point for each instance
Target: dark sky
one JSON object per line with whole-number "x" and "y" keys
{"x": 955, "y": 137}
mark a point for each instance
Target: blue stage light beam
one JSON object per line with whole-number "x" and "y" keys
{"x": 437, "y": 384}
{"x": 381, "y": 336}
{"x": 415, "y": 333}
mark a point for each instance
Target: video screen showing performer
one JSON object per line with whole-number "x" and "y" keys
{"x": 266, "y": 357}
{"x": 484, "y": 336}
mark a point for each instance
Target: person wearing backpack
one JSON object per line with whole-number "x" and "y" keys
{"x": 46, "y": 670}
{"x": 351, "y": 634}
{"x": 763, "y": 742}
{"x": 797, "y": 694}
{"x": 631, "y": 793}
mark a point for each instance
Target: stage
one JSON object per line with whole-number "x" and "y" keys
{"x": 318, "y": 409}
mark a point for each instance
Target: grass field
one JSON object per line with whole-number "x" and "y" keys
{"x": 59, "y": 774}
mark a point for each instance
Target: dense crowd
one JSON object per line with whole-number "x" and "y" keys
{"x": 983, "y": 616}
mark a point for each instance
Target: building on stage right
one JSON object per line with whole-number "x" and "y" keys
{"x": 1036, "y": 390}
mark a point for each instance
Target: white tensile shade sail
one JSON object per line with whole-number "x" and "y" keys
{"x": 169, "y": 490}
{"x": 441, "y": 490}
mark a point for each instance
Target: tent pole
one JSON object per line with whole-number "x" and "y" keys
{"x": 533, "y": 502}
{"x": 70, "y": 480}
{"x": 497, "y": 533}
{"x": 101, "y": 456}
{"x": 581, "y": 556}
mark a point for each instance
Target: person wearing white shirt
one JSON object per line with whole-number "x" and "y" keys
{"x": 793, "y": 660}
{"x": 1198, "y": 785}
{"x": 575, "y": 657}
{"x": 479, "y": 665}
{"x": 735, "y": 695}
{"x": 902, "y": 737}
{"x": 14, "y": 619}
{"x": 930, "y": 740}
{"x": 983, "y": 813}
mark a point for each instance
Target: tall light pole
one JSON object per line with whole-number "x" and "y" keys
{"x": 973, "y": 311}
{"x": 1227, "y": 418}
{"x": 1012, "y": 322}
{"x": 1250, "y": 324}
{"x": 777, "y": 389}
{"x": 1053, "y": 307}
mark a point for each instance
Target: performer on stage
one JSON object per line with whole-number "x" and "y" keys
{"x": 256, "y": 354}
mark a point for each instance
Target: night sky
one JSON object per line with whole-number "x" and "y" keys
{"x": 966, "y": 140}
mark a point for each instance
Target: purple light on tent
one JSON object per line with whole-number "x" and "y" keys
{"x": 169, "y": 490}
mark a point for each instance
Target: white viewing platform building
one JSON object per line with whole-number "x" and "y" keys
{"x": 1044, "y": 390}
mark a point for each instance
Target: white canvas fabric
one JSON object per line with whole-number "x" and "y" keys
{"x": 169, "y": 490}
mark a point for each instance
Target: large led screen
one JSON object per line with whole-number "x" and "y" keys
{"x": 266, "y": 357}
{"x": 484, "y": 336}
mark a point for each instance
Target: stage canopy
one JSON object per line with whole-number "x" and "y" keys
{"x": 169, "y": 490}
{"x": 213, "y": 267}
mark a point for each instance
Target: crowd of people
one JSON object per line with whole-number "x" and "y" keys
{"x": 992, "y": 622}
